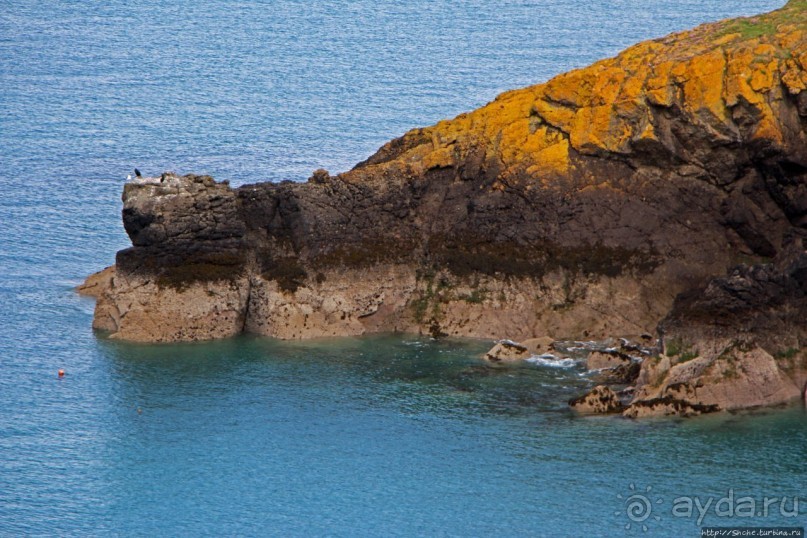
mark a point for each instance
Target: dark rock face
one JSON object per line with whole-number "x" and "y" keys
{"x": 182, "y": 229}
{"x": 737, "y": 341}
{"x": 624, "y": 374}
{"x": 435, "y": 219}
{"x": 764, "y": 305}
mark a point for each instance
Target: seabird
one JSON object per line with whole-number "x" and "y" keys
{"x": 128, "y": 177}
{"x": 137, "y": 173}
{"x": 162, "y": 178}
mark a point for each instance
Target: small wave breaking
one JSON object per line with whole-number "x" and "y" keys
{"x": 552, "y": 361}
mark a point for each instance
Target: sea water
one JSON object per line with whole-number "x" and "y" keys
{"x": 376, "y": 436}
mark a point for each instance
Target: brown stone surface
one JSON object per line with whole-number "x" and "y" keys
{"x": 507, "y": 351}
{"x": 599, "y": 400}
{"x": 510, "y": 351}
{"x": 140, "y": 310}
{"x": 598, "y": 360}
{"x": 739, "y": 377}
{"x": 624, "y": 374}
{"x": 97, "y": 283}
{"x": 540, "y": 346}
{"x": 666, "y": 407}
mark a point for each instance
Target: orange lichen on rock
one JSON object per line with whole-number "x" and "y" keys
{"x": 614, "y": 104}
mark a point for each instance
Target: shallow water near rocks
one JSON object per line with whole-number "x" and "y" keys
{"x": 381, "y": 435}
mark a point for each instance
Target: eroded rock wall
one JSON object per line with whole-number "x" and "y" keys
{"x": 579, "y": 207}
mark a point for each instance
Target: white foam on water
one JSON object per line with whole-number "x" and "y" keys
{"x": 552, "y": 361}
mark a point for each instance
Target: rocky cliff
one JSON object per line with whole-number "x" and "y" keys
{"x": 738, "y": 341}
{"x": 580, "y": 207}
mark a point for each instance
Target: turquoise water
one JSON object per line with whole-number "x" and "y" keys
{"x": 385, "y": 435}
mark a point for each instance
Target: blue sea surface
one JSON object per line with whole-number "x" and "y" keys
{"x": 388, "y": 435}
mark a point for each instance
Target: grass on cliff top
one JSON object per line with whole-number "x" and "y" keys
{"x": 766, "y": 25}
{"x": 750, "y": 29}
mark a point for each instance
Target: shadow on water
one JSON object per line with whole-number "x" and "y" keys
{"x": 405, "y": 371}
{"x": 444, "y": 385}
{"x": 409, "y": 373}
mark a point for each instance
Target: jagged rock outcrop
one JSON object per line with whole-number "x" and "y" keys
{"x": 578, "y": 207}
{"x": 608, "y": 358}
{"x": 614, "y": 367}
{"x": 737, "y": 342}
{"x": 764, "y": 304}
{"x": 509, "y": 351}
{"x": 737, "y": 378}
{"x": 624, "y": 374}
{"x": 598, "y": 401}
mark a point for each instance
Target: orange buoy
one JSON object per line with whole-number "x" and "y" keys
{"x": 61, "y": 373}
